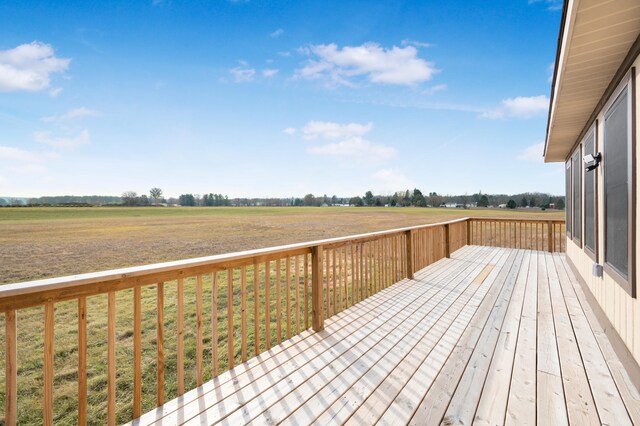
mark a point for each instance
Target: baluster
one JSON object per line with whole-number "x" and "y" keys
{"x": 199, "y": 349}
{"x": 82, "y": 360}
{"x": 243, "y": 283}
{"x": 111, "y": 359}
{"x": 306, "y": 291}
{"x": 230, "y": 349}
{"x": 160, "y": 343}
{"x": 297, "y": 287}
{"x": 214, "y": 323}
{"x": 267, "y": 303}
{"x": 48, "y": 362}
{"x": 137, "y": 352}
{"x": 180, "y": 324}
{"x": 279, "y": 300}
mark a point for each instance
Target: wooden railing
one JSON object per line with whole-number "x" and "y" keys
{"x": 192, "y": 320}
{"x": 545, "y": 235}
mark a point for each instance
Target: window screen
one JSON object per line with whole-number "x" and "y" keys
{"x": 590, "y": 197}
{"x": 567, "y": 196}
{"x": 616, "y": 185}
{"x": 576, "y": 168}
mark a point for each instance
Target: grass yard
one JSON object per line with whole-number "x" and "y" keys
{"x": 46, "y": 242}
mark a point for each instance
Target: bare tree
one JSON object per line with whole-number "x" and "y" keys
{"x": 156, "y": 194}
{"x": 129, "y": 198}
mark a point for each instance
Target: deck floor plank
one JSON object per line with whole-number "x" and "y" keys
{"x": 335, "y": 373}
{"x": 432, "y": 408}
{"x": 324, "y": 360}
{"x": 396, "y": 297}
{"x": 366, "y": 400}
{"x": 550, "y": 393}
{"x": 490, "y": 336}
{"x": 465, "y": 400}
{"x": 580, "y": 405}
{"x": 495, "y": 393}
{"x": 521, "y": 403}
{"x": 609, "y": 403}
{"x": 405, "y": 403}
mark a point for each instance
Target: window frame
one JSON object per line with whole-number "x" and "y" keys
{"x": 576, "y": 166}
{"x": 628, "y": 283}
{"x": 568, "y": 196}
{"x": 591, "y": 252}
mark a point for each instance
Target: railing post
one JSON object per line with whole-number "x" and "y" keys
{"x": 447, "y": 241}
{"x": 468, "y": 232}
{"x": 11, "y": 371}
{"x": 409, "y": 250}
{"x": 317, "y": 314}
{"x": 550, "y": 236}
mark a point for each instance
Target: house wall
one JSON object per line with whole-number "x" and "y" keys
{"x": 620, "y": 308}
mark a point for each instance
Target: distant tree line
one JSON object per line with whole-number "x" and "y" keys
{"x": 406, "y": 198}
{"x": 62, "y": 200}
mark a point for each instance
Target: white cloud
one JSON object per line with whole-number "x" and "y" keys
{"x": 407, "y": 42}
{"x": 69, "y": 115}
{"x": 28, "y": 67}
{"x": 519, "y": 107}
{"x": 551, "y": 4}
{"x": 349, "y": 141}
{"x": 392, "y": 180}
{"x": 55, "y": 92}
{"x": 332, "y": 131}
{"x": 435, "y": 89}
{"x": 356, "y": 148}
{"x": 290, "y": 131}
{"x": 370, "y": 61}
{"x": 277, "y": 33}
{"x": 16, "y": 154}
{"x": 242, "y": 74}
{"x": 68, "y": 142}
{"x": 523, "y": 106}
{"x": 269, "y": 72}
{"x": 533, "y": 153}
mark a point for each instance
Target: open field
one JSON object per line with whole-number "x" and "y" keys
{"x": 45, "y": 242}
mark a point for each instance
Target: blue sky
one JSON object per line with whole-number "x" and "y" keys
{"x": 275, "y": 98}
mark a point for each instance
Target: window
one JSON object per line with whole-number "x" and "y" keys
{"x": 567, "y": 197}
{"x": 617, "y": 170}
{"x": 590, "y": 231}
{"x": 576, "y": 168}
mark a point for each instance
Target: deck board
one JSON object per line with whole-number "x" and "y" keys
{"x": 490, "y": 336}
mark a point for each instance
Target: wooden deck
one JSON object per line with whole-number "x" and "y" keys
{"x": 490, "y": 336}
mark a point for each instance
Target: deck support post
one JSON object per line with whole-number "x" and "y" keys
{"x": 468, "y": 232}
{"x": 317, "y": 314}
{"x": 447, "y": 241}
{"x": 550, "y": 236}
{"x": 409, "y": 256}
